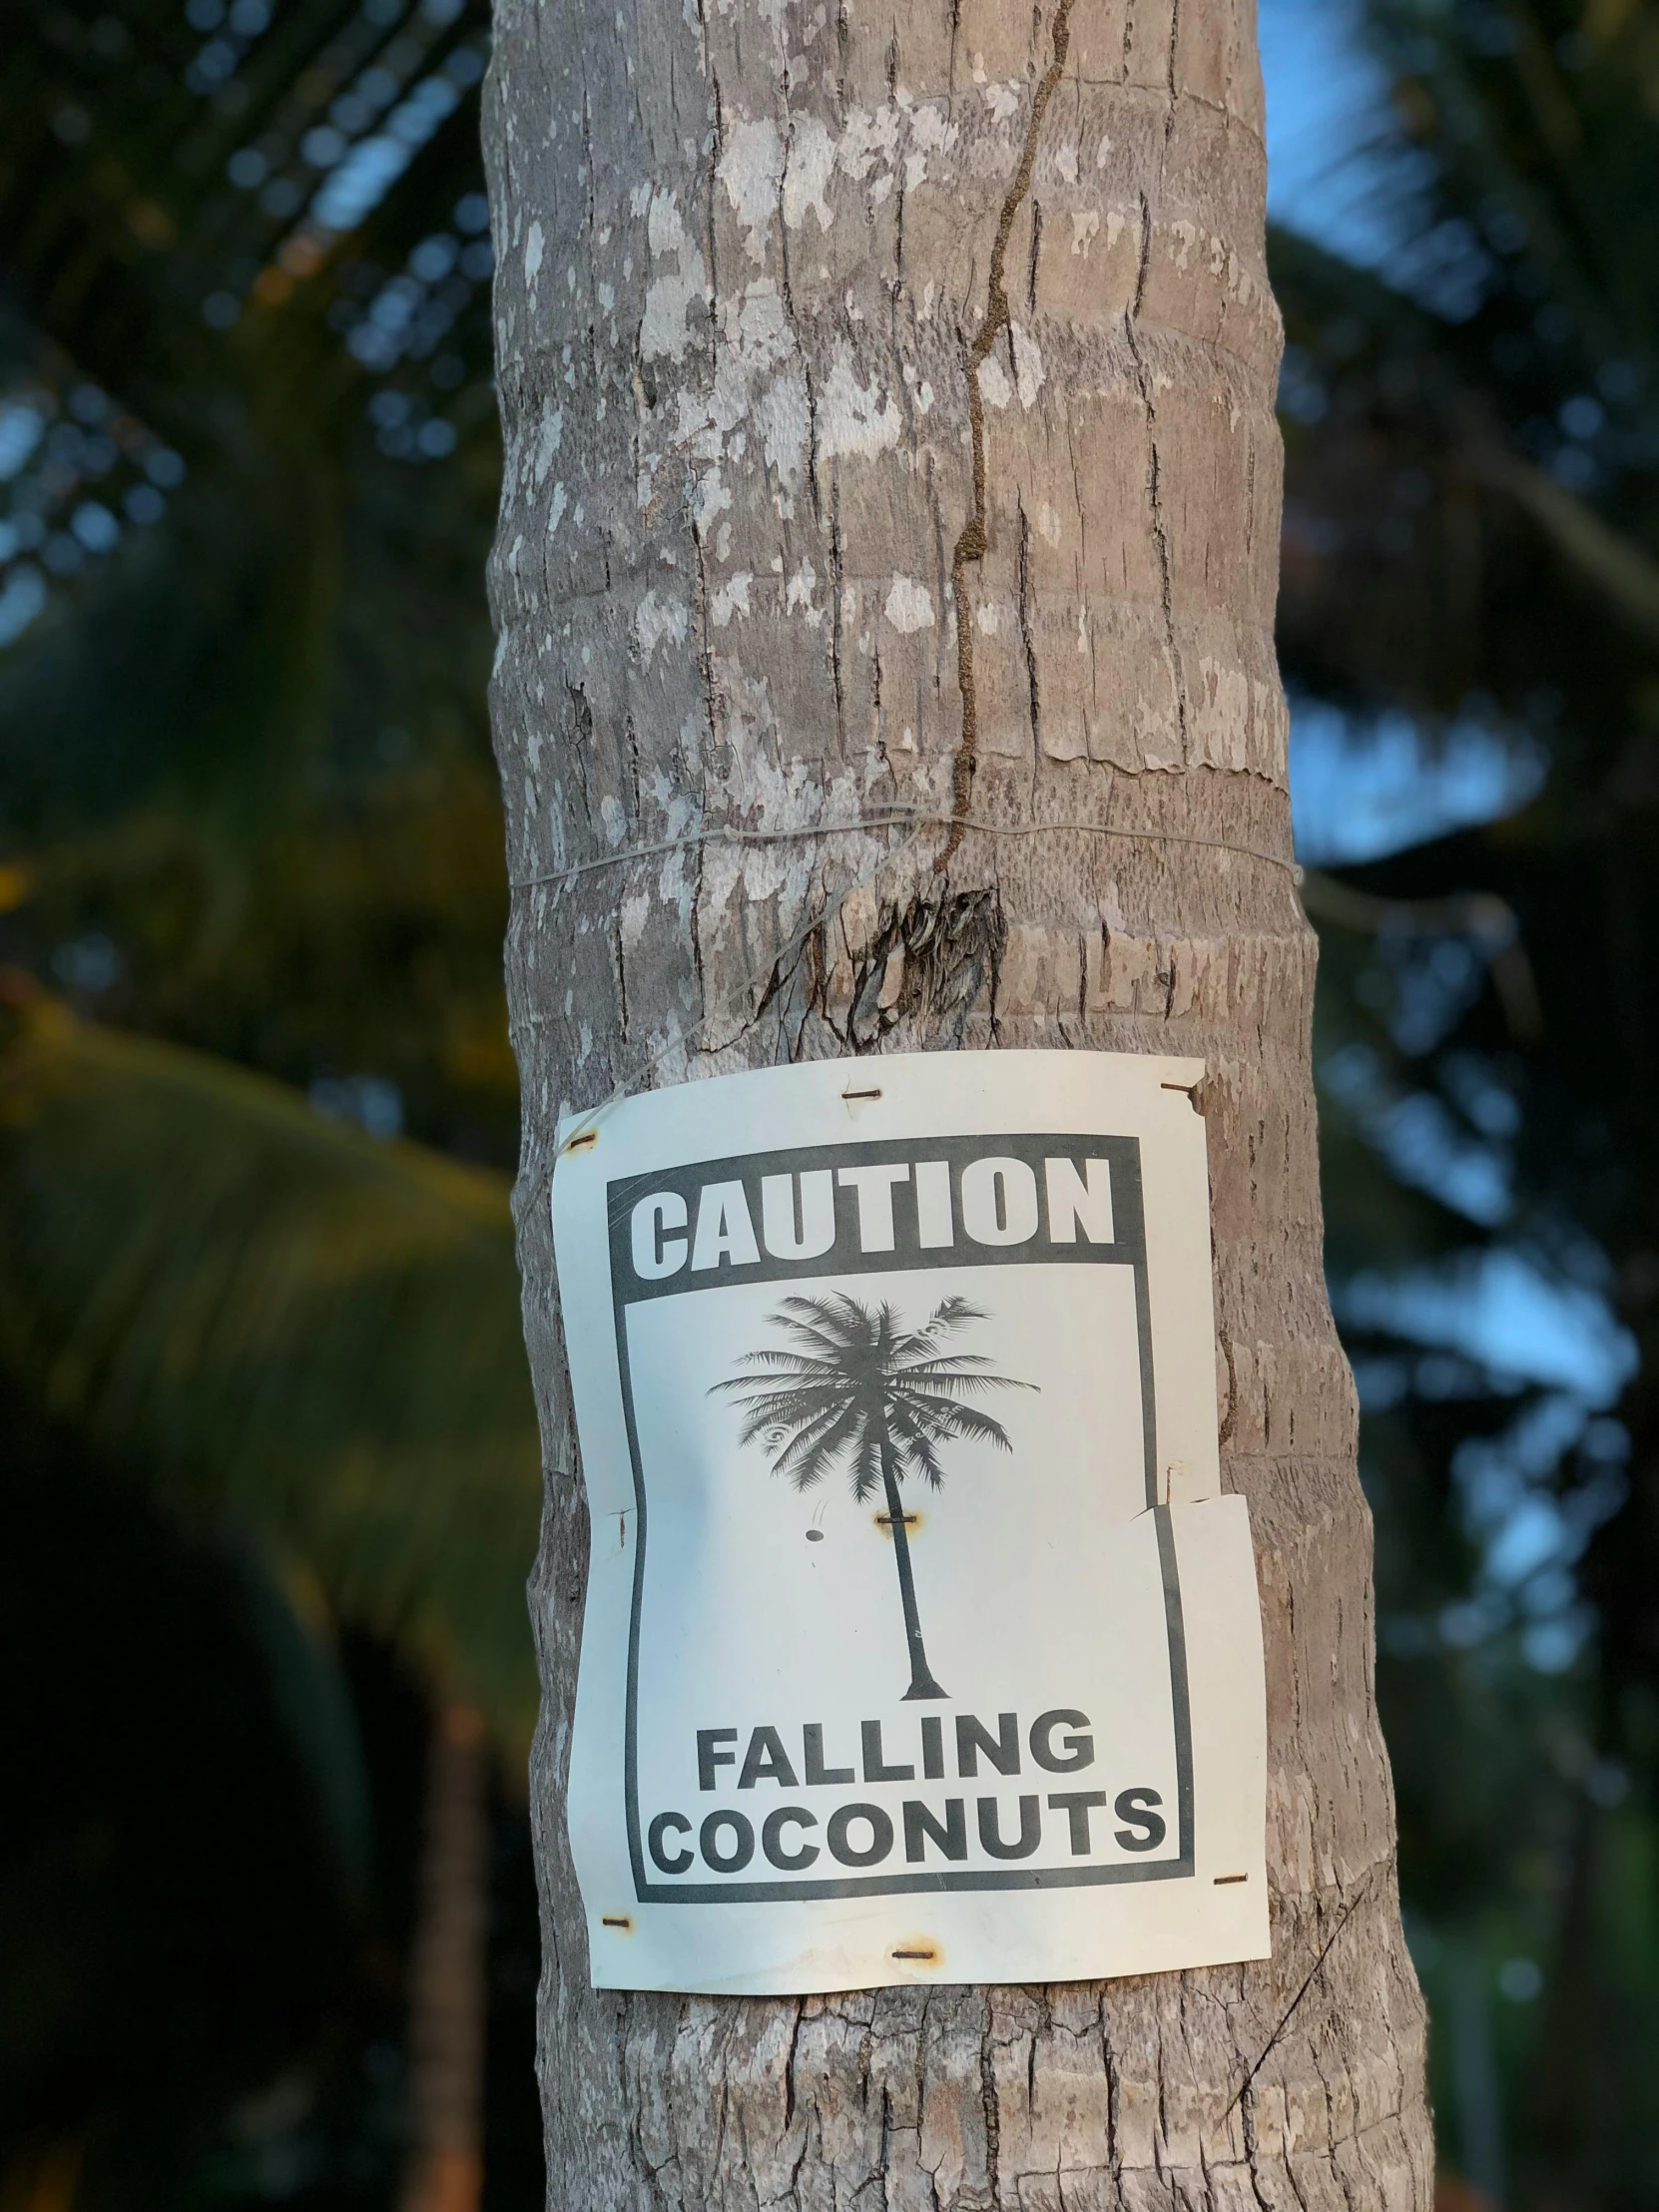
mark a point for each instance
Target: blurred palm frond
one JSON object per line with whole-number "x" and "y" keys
{"x": 300, "y": 1331}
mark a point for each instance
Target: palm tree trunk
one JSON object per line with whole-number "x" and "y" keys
{"x": 443, "y": 2168}
{"x": 922, "y": 1684}
{"x": 888, "y": 396}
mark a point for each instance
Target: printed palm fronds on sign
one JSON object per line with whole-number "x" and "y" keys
{"x": 854, "y": 1387}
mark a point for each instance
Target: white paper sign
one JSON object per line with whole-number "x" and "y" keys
{"x": 919, "y": 1643}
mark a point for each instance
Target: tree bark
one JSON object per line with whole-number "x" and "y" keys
{"x": 444, "y": 2168}
{"x": 888, "y": 400}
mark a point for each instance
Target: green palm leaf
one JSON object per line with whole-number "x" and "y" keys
{"x": 300, "y": 1333}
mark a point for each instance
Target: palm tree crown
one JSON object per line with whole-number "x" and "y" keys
{"x": 855, "y": 1386}
{"x": 857, "y": 1383}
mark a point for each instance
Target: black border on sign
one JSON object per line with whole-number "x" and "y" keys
{"x": 1128, "y": 1249}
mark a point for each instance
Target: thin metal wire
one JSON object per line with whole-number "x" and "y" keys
{"x": 917, "y": 820}
{"x": 682, "y": 1040}
{"x": 894, "y": 817}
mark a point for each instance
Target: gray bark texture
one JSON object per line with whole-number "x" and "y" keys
{"x": 889, "y": 426}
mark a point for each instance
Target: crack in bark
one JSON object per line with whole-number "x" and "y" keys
{"x": 631, "y": 746}
{"x": 791, "y": 2061}
{"x": 837, "y": 573}
{"x": 1028, "y": 636}
{"x": 1155, "y": 500}
{"x": 1313, "y": 1975}
{"x": 621, "y": 977}
{"x": 1223, "y": 1435}
{"x": 989, "y": 2106}
{"x": 970, "y": 545}
{"x": 786, "y": 276}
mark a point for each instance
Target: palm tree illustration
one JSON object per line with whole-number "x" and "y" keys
{"x": 857, "y": 1388}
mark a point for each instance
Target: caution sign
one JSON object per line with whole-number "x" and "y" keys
{"x": 920, "y": 1644}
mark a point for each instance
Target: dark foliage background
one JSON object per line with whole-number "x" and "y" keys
{"x": 247, "y": 467}
{"x": 248, "y": 823}
{"x": 1471, "y": 526}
